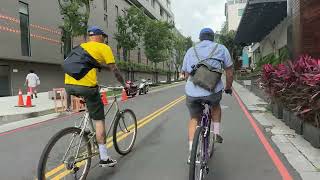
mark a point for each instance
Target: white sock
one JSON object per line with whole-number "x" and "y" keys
{"x": 211, "y": 127}
{"x": 216, "y": 128}
{"x": 190, "y": 146}
{"x": 103, "y": 152}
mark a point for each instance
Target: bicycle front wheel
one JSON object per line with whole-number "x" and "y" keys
{"x": 196, "y": 168}
{"x": 125, "y": 131}
{"x": 60, "y": 160}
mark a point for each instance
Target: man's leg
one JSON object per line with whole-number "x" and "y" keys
{"x": 216, "y": 121}
{"x": 35, "y": 92}
{"x": 30, "y": 89}
{"x": 192, "y": 129}
{"x": 96, "y": 111}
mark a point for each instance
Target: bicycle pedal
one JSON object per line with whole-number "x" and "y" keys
{"x": 207, "y": 170}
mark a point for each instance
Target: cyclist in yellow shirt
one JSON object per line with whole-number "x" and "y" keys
{"x": 85, "y": 84}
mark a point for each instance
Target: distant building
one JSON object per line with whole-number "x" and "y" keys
{"x": 279, "y": 27}
{"x": 30, "y": 38}
{"x": 234, "y": 10}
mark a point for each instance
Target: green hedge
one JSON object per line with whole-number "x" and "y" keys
{"x": 124, "y": 65}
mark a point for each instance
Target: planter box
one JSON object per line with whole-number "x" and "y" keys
{"x": 296, "y": 124}
{"x": 311, "y": 134}
{"x": 277, "y": 110}
{"x": 286, "y": 116}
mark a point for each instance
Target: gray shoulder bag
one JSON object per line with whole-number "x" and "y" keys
{"x": 203, "y": 74}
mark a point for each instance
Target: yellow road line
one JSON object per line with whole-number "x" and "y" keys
{"x": 145, "y": 118}
{"x": 65, "y": 173}
{"x": 109, "y": 143}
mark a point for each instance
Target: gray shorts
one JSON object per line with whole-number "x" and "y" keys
{"x": 92, "y": 97}
{"x": 194, "y": 103}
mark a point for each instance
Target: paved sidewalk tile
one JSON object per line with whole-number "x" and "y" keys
{"x": 300, "y": 154}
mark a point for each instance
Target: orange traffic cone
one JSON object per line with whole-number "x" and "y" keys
{"x": 20, "y": 99}
{"x": 124, "y": 96}
{"x": 104, "y": 98}
{"x": 28, "y": 101}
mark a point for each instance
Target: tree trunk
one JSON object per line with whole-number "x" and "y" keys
{"x": 125, "y": 54}
{"x": 177, "y": 74}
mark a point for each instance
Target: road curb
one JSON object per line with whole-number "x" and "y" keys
{"x": 17, "y": 117}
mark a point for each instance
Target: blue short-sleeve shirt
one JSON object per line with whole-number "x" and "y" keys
{"x": 204, "y": 49}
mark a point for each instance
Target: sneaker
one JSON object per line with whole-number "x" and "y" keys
{"x": 188, "y": 162}
{"x": 217, "y": 138}
{"x": 108, "y": 163}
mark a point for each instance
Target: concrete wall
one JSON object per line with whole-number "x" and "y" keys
{"x": 155, "y": 11}
{"x": 44, "y": 33}
{"x": 233, "y": 17}
{"x": 275, "y": 40}
{"x": 45, "y": 40}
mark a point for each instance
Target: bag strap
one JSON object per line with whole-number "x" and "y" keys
{"x": 209, "y": 57}
{"x": 78, "y": 50}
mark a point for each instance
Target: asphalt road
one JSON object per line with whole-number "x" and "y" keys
{"x": 160, "y": 152}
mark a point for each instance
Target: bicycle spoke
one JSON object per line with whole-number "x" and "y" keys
{"x": 69, "y": 157}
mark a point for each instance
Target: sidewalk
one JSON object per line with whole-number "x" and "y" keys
{"x": 300, "y": 154}
{"x": 42, "y": 106}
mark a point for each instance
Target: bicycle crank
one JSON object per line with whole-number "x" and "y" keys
{"x": 70, "y": 165}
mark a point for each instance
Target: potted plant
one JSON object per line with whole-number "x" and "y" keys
{"x": 306, "y": 97}
{"x": 297, "y": 86}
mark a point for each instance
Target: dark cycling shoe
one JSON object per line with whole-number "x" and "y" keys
{"x": 217, "y": 138}
{"x": 108, "y": 163}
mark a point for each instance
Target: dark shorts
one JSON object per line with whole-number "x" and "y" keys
{"x": 92, "y": 97}
{"x": 194, "y": 103}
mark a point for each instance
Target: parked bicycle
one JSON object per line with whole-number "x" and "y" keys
{"x": 69, "y": 152}
{"x": 202, "y": 146}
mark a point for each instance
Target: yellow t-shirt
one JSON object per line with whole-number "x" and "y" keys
{"x": 101, "y": 53}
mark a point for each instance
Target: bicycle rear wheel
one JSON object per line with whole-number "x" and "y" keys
{"x": 196, "y": 168}
{"x": 125, "y": 131}
{"x": 58, "y": 159}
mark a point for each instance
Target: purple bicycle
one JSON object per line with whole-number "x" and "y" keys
{"x": 202, "y": 146}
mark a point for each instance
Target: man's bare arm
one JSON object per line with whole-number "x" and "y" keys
{"x": 186, "y": 75}
{"x": 229, "y": 77}
{"x": 117, "y": 74}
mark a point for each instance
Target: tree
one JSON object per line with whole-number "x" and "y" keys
{"x": 75, "y": 15}
{"x": 228, "y": 40}
{"x": 158, "y": 41}
{"x": 189, "y": 43}
{"x": 130, "y": 30}
{"x": 181, "y": 45}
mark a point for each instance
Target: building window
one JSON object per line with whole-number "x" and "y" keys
{"x": 106, "y": 20}
{"x": 105, "y": 5}
{"x": 117, "y": 11}
{"x": 24, "y": 28}
{"x": 139, "y": 55}
{"x": 240, "y": 12}
{"x": 153, "y": 2}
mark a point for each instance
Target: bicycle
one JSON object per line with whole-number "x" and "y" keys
{"x": 79, "y": 154}
{"x": 202, "y": 146}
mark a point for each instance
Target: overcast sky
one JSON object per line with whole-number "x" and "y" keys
{"x": 193, "y": 15}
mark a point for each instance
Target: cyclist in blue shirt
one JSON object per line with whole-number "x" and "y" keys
{"x": 195, "y": 93}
